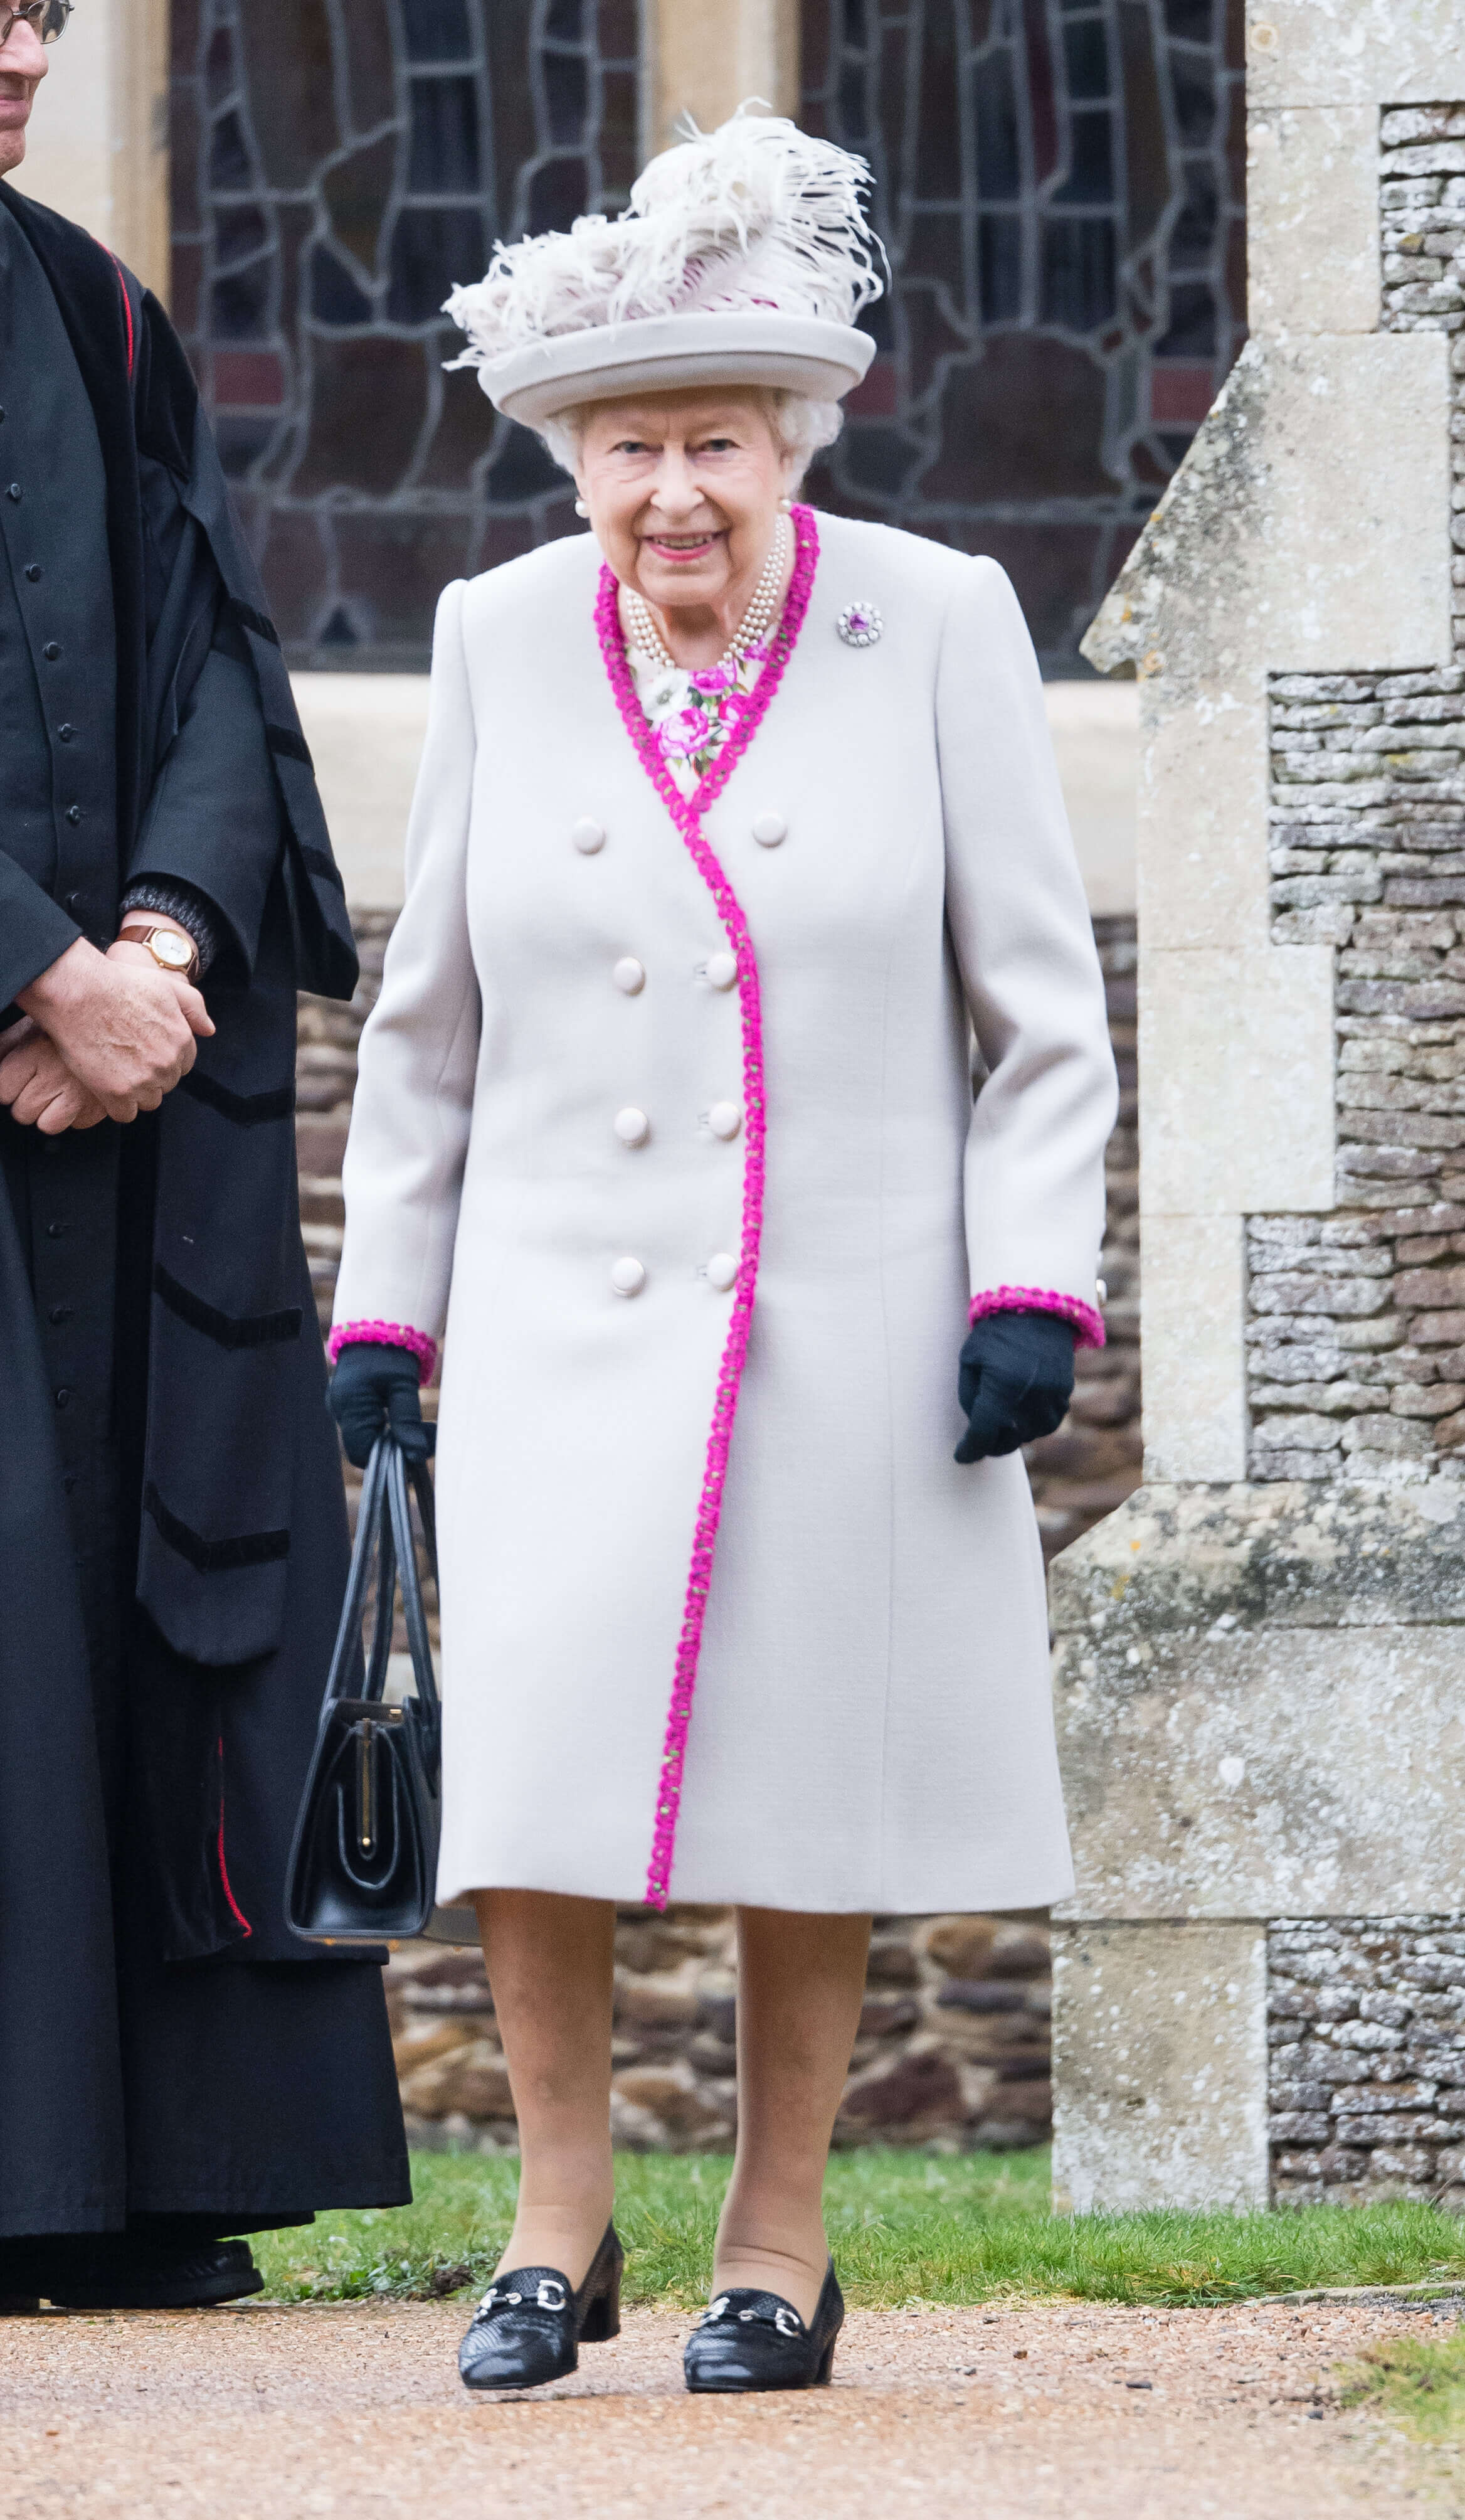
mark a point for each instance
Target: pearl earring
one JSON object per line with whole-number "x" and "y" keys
{"x": 785, "y": 506}
{"x": 581, "y": 509}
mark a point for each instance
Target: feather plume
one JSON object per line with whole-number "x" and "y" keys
{"x": 754, "y": 215}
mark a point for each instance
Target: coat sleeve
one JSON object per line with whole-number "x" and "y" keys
{"x": 213, "y": 820}
{"x": 403, "y": 1170}
{"x": 1023, "y": 947}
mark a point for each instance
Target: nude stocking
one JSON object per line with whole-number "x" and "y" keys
{"x": 800, "y": 1987}
{"x": 551, "y": 1963}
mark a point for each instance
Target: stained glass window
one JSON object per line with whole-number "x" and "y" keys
{"x": 1059, "y": 190}
{"x": 338, "y": 164}
{"x": 1060, "y": 185}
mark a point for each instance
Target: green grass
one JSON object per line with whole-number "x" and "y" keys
{"x": 904, "y": 2226}
{"x": 1419, "y": 2381}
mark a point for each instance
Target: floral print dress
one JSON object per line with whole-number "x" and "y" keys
{"x": 693, "y": 714}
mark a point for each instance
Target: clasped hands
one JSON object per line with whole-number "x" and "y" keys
{"x": 106, "y": 1036}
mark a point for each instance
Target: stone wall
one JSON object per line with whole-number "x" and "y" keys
{"x": 953, "y": 2052}
{"x": 1366, "y": 2029}
{"x": 1356, "y": 1337}
{"x": 953, "y": 2044}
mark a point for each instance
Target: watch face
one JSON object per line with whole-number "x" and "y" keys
{"x": 175, "y": 950}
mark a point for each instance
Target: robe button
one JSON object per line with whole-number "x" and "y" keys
{"x": 32, "y": 572}
{"x": 632, "y": 1127}
{"x": 629, "y": 977}
{"x": 768, "y": 830}
{"x": 725, "y": 1119}
{"x": 51, "y": 650}
{"x": 722, "y": 1271}
{"x": 65, "y": 734}
{"x": 74, "y": 813}
{"x": 15, "y": 491}
{"x": 722, "y": 971}
{"x": 628, "y": 1276}
{"x": 587, "y": 835}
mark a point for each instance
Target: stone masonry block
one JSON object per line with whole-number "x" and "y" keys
{"x": 1160, "y": 2055}
{"x": 1313, "y": 222}
{"x": 1232, "y": 1767}
{"x": 1194, "y": 1390}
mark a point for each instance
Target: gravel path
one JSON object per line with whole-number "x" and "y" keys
{"x": 1063, "y": 2413}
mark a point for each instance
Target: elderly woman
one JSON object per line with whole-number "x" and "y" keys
{"x": 734, "y": 826}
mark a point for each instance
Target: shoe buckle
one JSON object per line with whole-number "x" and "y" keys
{"x": 551, "y": 2294}
{"x": 492, "y": 2294}
{"x": 787, "y": 2321}
{"x": 715, "y": 2310}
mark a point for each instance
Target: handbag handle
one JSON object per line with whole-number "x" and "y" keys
{"x": 383, "y": 1528}
{"x": 412, "y": 1612}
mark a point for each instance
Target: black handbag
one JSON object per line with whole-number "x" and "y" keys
{"x": 363, "y": 1863}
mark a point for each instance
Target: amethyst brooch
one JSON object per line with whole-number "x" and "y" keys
{"x": 861, "y": 625}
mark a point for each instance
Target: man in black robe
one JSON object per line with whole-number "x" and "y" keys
{"x": 175, "y": 2068}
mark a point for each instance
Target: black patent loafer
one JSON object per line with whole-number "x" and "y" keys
{"x": 121, "y": 2272}
{"x": 529, "y": 2326}
{"x": 754, "y": 2340}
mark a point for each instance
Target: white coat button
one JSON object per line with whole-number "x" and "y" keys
{"x": 587, "y": 835}
{"x": 628, "y": 975}
{"x": 722, "y": 971}
{"x": 725, "y": 1119}
{"x": 628, "y": 1276}
{"x": 631, "y": 1126}
{"x": 768, "y": 830}
{"x": 722, "y": 1271}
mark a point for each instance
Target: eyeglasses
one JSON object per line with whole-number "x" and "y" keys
{"x": 46, "y": 18}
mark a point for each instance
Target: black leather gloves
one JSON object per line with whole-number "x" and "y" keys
{"x": 1016, "y": 1380}
{"x": 374, "y": 1387}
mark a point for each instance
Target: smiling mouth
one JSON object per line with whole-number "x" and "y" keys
{"x": 678, "y": 547}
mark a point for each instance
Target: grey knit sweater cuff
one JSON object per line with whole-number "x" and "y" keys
{"x": 179, "y": 901}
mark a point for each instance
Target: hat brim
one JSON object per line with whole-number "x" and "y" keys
{"x": 669, "y": 353}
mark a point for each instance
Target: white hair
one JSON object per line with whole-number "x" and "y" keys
{"x": 800, "y": 426}
{"x": 754, "y": 215}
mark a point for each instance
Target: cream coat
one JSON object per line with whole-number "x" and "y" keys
{"x": 871, "y": 1725}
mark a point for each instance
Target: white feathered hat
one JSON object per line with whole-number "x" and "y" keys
{"x": 743, "y": 259}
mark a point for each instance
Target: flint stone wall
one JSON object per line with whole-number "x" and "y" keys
{"x": 1366, "y": 2033}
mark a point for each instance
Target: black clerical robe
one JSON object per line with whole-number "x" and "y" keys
{"x": 172, "y": 1529}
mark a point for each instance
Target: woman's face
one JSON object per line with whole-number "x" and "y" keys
{"x": 682, "y": 491}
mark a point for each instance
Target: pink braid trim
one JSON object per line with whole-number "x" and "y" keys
{"x": 1087, "y": 1320}
{"x": 687, "y": 813}
{"x": 386, "y": 1334}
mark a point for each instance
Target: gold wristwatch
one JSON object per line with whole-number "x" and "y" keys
{"x": 171, "y": 950}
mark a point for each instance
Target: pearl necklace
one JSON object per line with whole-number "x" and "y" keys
{"x": 758, "y": 618}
